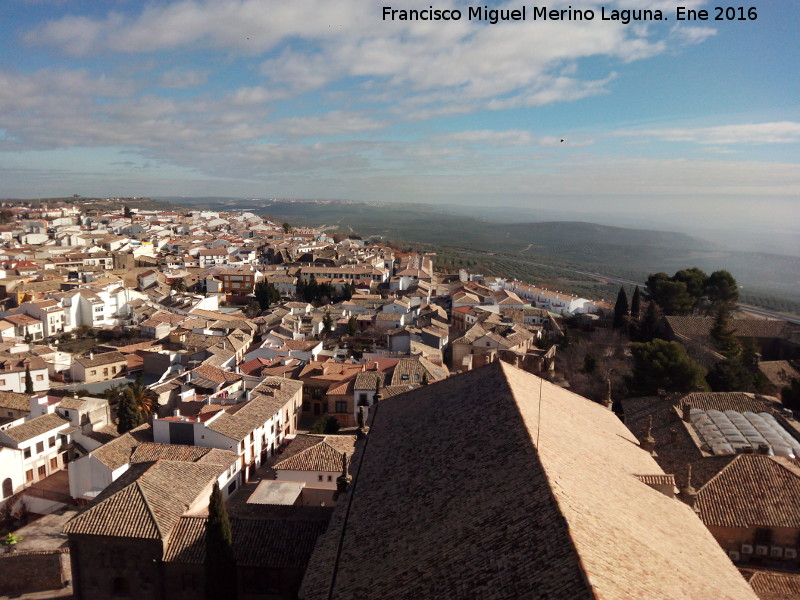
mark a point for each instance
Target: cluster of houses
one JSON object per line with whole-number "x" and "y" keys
{"x": 523, "y": 488}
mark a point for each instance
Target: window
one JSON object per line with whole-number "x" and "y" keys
{"x": 404, "y": 377}
{"x": 320, "y": 477}
{"x": 54, "y": 463}
{"x": 93, "y": 372}
{"x": 341, "y": 406}
{"x": 42, "y": 472}
{"x": 26, "y": 452}
{"x": 330, "y": 477}
{"x": 39, "y": 447}
{"x": 51, "y": 441}
{"x": 362, "y": 397}
{"x": 40, "y": 378}
{"x": 29, "y": 475}
{"x": 8, "y": 488}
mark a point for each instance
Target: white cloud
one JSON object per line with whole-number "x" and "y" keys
{"x": 783, "y": 132}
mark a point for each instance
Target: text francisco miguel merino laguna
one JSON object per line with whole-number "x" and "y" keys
{"x": 541, "y": 13}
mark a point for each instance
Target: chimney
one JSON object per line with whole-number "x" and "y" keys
{"x": 91, "y": 355}
{"x": 607, "y": 401}
{"x": 176, "y": 413}
{"x": 648, "y": 442}
{"x": 688, "y": 494}
{"x": 687, "y": 412}
{"x": 343, "y": 481}
{"x": 763, "y": 449}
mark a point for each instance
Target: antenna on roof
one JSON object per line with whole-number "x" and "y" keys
{"x": 539, "y": 416}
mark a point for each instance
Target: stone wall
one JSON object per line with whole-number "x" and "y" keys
{"x": 26, "y": 572}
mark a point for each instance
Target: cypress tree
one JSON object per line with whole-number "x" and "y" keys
{"x": 220, "y": 563}
{"x": 621, "y": 309}
{"x": 636, "y": 304}
{"x": 28, "y": 380}
{"x": 648, "y": 329}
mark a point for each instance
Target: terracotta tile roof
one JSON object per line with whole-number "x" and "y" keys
{"x": 317, "y": 453}
{"x": 341, "y": 388}
{"x": 215, "y": 374}
{"x": 264, "y": 543}
{"x": 415, "y": 368}
{"x": 146, "y": 502}
{"x": 266, "y": 399}
{"x": 773, "y": 585}
{"x": 753, "y": 491}
{"x": 15, "y": 401}
{"x": 394, "y": 390}
{"x": 738, "y": 401}
{"x": 34, "y": 427}
{"x": 779, "y": 372}
{"x": 755, "y": 328}
{"x": 21, "y": 319}
{"x": 117, "y": 452}
{"x": 368, "y": 380}
{"x": 539, "y": 501}
{"x": 98, "y": 360}
{"x": 151, "y": 452}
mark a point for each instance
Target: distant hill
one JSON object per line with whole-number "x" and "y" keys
{"x": 616, "y": 251}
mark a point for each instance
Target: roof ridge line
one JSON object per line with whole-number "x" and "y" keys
{"x": 147, "y": 504}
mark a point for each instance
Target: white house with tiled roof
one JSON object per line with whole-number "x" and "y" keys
{"x": 315, "y": 460}
{"x": 40, "y": 449}
{"x": 252, "y": 429}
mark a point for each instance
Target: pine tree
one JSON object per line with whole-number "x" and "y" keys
{"x": 28, "y": 381}
{"x": 636, "y": 304}
{"x": 621, "y": 309}
{"x": 722, "y": 336}
{"x": 220, "y": 563}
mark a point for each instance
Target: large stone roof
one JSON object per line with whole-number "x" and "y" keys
{"x": 514, "y": 494}
{"x": 265, "y": 543}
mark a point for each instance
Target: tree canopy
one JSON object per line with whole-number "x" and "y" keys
{"x": 266, "y": 294}
{"x": 691, "y": 290}
{"x": 662, "y": 364}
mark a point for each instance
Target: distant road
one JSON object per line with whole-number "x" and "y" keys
{"x": 768, "y": 313}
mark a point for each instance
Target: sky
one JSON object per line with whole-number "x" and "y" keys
{"x": 669, "y": 121}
